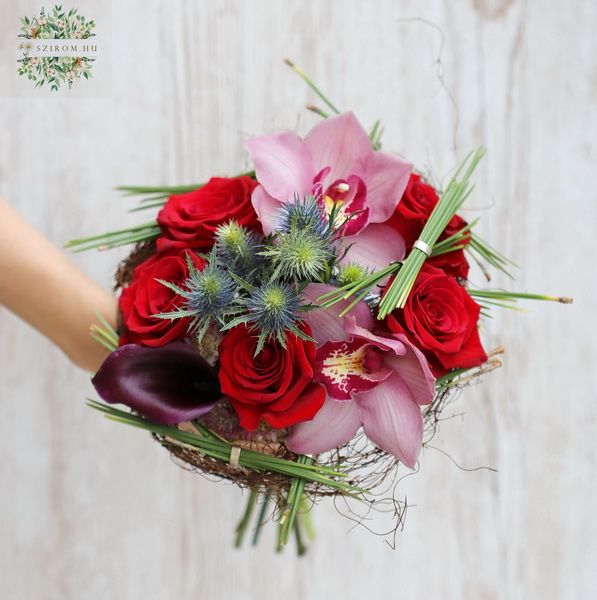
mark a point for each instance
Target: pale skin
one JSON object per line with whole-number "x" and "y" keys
{"x": 41, "y": 286}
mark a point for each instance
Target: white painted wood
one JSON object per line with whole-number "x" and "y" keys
{"x": 91, "y": 510}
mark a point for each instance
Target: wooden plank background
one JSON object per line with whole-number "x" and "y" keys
{"x": 90, "y": 510}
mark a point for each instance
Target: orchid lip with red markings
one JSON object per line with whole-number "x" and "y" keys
{"x": 349, "y": 367}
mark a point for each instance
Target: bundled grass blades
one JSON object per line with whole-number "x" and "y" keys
{"x": 451, "y": 200}
{"x": 212, "y": 445}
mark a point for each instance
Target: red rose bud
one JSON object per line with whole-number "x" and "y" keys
{"x": 276, "y": 385}
{"x": 190, "y": 220}
{"x": 440, "y": 318}
{"x": 146, "y": 297}
{"x": 415, "y": 208}
{"x": 451, "y": 263}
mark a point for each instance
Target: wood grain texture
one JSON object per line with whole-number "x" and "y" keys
{"x": 90, "y": 510}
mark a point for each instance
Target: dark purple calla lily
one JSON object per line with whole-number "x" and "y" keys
{"x": 167, "y": 385}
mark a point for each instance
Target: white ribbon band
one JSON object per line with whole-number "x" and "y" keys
{"x": 235, "y": 457}
{"x": 423, "y": 247}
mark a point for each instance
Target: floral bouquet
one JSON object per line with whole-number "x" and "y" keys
{"x": 298, "y": 329}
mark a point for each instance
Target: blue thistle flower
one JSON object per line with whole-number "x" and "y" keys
{"x": 350, "y": 273}
{"x": 300, "y": 256}
{"x": 304, "y": 214}
{"x": 209, "y": 295}
{"x": 273, "y": 308}
{"x": 210, "y": 292}
{"x": 237, "y": 247}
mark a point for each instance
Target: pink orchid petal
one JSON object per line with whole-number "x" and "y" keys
{"x": 392, "y": 419}
{"x": 335, "y": 424}
{"x": 405, "y": 359}
{"x": 267, "y": 209}
{"x": 283, "y": 165}
{"x": 414, "y": 369}
{"x": 326, "y": 324}
{"x": 374, "y": 247}
{"x": 386, "y": 177}
{"x": 354, "y": 329}
{"x": 339, "y": 143}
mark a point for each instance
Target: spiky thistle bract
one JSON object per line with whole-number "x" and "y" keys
{"x": 208, "y": 296}
{"x": 272, "y": 310}
{"x": 237, "y": 248}
{"x": 304, "y": 214}
{"x": 350, "y": 273}
{"x": 300, "y": 255}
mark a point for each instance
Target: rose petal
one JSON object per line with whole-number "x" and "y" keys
{"x": 374, "y": 247}
{"x": 392, "y": 419}
{"x": 335, "y": 424}
{"x": 385, "y": 176}
{"x": 338, "y": 143}
{"x": 283, "y": 165}
{"x": 168, "y": 385}
{"x": 306, "y": 406}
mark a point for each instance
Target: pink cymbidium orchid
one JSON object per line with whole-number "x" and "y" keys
{"x": 336, "y": 164}
{"x": 377, "y": 381}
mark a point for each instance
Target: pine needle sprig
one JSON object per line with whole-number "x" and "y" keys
{"x": 104, "y": 334}
{"x": 113, "y": 239}
{"x": 481, "y": 249}
{"x": 506, "y": 296}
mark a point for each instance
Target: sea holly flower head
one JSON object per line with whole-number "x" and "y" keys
{"x": 303, "y": 213}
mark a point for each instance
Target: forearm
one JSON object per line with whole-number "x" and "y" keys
{"x": 40, "y": 285}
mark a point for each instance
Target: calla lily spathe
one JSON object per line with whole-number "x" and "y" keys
{"x": 168, "y": 385}
{"x": 336, "y": 164}
{"x": 377, "y": 381}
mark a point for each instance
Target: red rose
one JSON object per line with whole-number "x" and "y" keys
{"x": 411, "y": 214}
{"x": 145, "y": 297}
{"x": 451, "y": 263}
{"x": 440, "y": 318}
{"x": 276, "y": 385}
{"x": 190, "y": 220}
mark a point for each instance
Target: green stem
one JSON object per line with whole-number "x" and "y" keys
{"x": 300, "y": 546}
{"x": 293, "y": 501}
{"x": 312, "y": 85}
{"x": 305, "y": 517}
{"x": 244, "y": 522}
{"x": 261, "y": 518}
